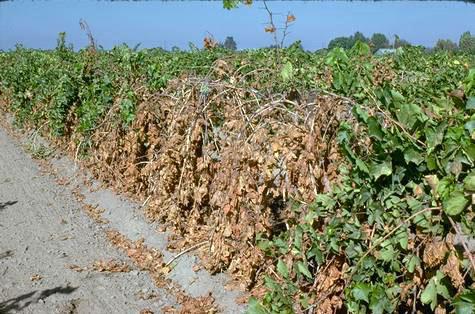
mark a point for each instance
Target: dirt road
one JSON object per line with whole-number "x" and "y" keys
{"x": 44, "y": 230}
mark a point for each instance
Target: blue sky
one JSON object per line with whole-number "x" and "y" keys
{"x": 175, "y": 23}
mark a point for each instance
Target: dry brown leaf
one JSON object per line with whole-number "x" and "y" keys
{"x": 434, "y": 253}
{"x": 95, "y": 213}
{"x": 440, "y": 310}
{"x": 452, "y": 269}
{"x": 111, "y": 266}
{"x": 77, "y": 268}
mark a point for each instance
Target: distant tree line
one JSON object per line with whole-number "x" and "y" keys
{"x": 380, "y": 41}
{"x": 376, "y": 41}
{"x": 466, "y": 44}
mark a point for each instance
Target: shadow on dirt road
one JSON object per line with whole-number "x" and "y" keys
{"x": 4, "y": 205}
{"x": 6, "y": 254}
{"x": 22, "y": 301}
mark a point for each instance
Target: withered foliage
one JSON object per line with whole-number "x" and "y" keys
{"x": 189, "y": 305}
{"x": 110, "y": 266}
{"x": 209, "y": 43}
{"x": 95, "y": 213}
{"x": 216, "y": 162}
{"x": 452, "y": 270}
{"x": 150, "y": 260}
{"x": 383, "y": 72}
{"x": 145, "y": 258}
{"x": 434, "y": 253}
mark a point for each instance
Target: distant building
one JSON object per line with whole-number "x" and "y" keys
{"x": 385, "y": 51}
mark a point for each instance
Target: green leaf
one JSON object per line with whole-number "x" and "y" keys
{"x": 230, "y": 4}
{"x": 435, "y": 136}
{"x": 282, "y": 269}
{"x": 397, "y": 96}
{"x": 442, "y": 290}
{"x": 316, "y": 252}
{"x": 468, "y": 296}
{"x": 411, "y": 155}
{"x": 465, "y": 302}
{"x": 470, "y": 103}
{"x": 264, "y": 244}
{"x": 403, "y": 239}
{"x": 361, "y": 114}
{"x": 445, "y": 187}
{"x": 440, "y": 286}
{"x": 325, "y": 200}
{"x": 379, "y": 301}
{"x": 409, "y": 114}
{"x": 435, "y": 287}
{"x": 455, "y": 203}
{"x": 361, "y": 165}
{"x": 387, "y": 254}
{"x": 361, "y": 292}
{"x": 469, "y": 182}
{"x": 298, "y": 238}
{"x": 302, "y": 268}
{"x": 374, "y": 128}
{"x": 470, "y": 126}
{"x": 469, "y": 150}
{"x": 382, "y": 169}
{"x": 414, "y": 261}
{"x": 254, "y": 307}
{"x": 414, "y": 204}
{"x": 429, "y": 295}
{"x": 462, "y": 307}
{"x": 287, "y": 72}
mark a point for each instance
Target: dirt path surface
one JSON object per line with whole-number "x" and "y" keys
{"x": 44, "y": 230}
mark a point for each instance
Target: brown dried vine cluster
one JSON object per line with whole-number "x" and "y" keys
{"x": 383, "y": 72}
{"x": 220, "y": 163}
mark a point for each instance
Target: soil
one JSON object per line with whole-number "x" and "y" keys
{"x": 46, "y": 236}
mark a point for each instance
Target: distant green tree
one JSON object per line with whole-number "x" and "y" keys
{"x": 358, "y": 36}
{"x": 229, "y": 43}
{"x": 467, "y": 43}
{"x": 379, "y": 41}
{"x": 341, "y": 42}
{"x": 61, "y": 43}
{"x": 296, "y": 45}
{"x": 347, "y": 42}
{"x": 398, "y": 42}
{"x": 192, "y": 46}
{"x": 445, "y": 45}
